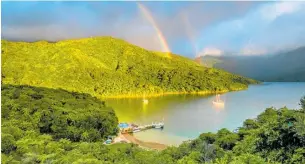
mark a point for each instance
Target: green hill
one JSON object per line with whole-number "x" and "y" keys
{"x": 105, "y": 67}
{"x": 285, "y": 66}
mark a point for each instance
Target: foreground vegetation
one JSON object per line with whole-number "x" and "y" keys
{"x": 32, "y": 116}
{"x": 41, "y": 125}
{"x": 105, "y": 67}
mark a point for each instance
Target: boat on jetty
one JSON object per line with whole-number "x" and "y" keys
{"x": 159, "y": 125}
{"x": 136, "y": 129}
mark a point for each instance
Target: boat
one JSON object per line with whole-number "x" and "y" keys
{"x": 159, "y": 125}
{"x": 108, "y": 141}
{"x": 218, "y": 101}
{"x": 135, "y": 130}
{"x": 145, "y": 101}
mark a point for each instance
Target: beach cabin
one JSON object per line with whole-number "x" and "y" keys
{"x": 125, "y": 128}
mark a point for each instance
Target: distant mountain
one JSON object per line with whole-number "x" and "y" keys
{"x": 285, "y": 66}
{"x": 209, "y": 61}
{"x": 109, "y": 67}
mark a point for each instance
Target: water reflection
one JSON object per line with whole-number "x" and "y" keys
{"x": 218, "y": 103}
{"x": 157, "y": 108}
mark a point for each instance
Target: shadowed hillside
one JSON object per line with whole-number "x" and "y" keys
{"x": 288, "y": 66}
{"x": 105, "y": 66}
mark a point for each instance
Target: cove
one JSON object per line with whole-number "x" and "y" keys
{"x": 187, "y": 116}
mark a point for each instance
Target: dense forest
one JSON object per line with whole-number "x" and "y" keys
{"x": 47, "y": 114}
{"x": 106, "y": 66}
{"x": 41, "y": 125}
{"x": 286, "y": 66}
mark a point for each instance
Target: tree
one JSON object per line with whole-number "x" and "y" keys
{"x": 248, "y": 159}
{"x": 8, "y": 143}
{"x": 226, "y": 139}
{"x": 302, "y": 102}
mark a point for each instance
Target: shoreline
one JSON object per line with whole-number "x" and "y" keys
{"x": 169, "y": 93}
{"x": 141, "y": 95}
{"x": 144, "y": 144}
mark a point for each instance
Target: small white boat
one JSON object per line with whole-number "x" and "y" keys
{"x": 159, "y": 125}
{"x": 135, "y": 130}
{"x": 218, "y": 101}
{"x": 145, "y": 101}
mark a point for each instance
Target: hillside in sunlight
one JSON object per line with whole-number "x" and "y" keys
{"x": 106, "y": 66}
{"x": 285, "y": 66}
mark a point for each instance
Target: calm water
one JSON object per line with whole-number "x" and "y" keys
{"x": 186, "y": 116}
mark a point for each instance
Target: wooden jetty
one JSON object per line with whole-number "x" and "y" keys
{"x": 133, "y": 128}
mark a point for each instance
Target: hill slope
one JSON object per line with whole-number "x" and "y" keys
{"x": 74, "y": 116}
{"x": 288, "y": 66}
{"x": 105, "y": 66}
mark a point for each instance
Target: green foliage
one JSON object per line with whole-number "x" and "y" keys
{"x": 74, "y": 116}
{"x": 106, "y": 66}
{"x": 276, "y": 136}
{"x": 248, "y": 159}
{"x": 302, "y": 103}
{"x": 35, "y": 129}
{"x": 226, "y": 139}
{"x": 208, "y": 137}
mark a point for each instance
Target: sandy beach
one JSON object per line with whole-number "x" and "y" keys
{"x": 150, "y": 145}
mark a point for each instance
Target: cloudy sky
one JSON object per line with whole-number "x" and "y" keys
{"x": 189, "y": 28}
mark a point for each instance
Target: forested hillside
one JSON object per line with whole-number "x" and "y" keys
{"x": 42, "y": 125}
{"x": 31, "y": 111}
{"x": 105, "y": 66}
{"x": 286, "y": 66}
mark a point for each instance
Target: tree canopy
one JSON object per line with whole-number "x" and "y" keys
{"x": 41, "y": 125}
{"x": 105, "y": 66}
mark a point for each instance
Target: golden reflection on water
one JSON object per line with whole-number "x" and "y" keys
{"x": 144, "y": 110}
{"x": 219, "y": 108}
{"x": 134, "y": 109}
{"x": 144, "y": 107}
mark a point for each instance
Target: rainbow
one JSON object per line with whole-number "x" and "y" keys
{"x": 151, "y": 20}
{"x": 190, "y": 33}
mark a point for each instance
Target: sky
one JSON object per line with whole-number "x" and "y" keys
{"x": 186, "y": 28}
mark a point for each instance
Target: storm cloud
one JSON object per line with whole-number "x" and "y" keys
{"x": 189, "y": 27}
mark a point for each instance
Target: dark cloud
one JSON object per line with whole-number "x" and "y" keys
{"x": 183, "y": 24}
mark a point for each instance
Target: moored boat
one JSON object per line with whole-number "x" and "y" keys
{"x": 159, "y": 125}
{"x": 218, "y": 101}
{"x": 145, "y": 101}
{"x": 135, "y": 130}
